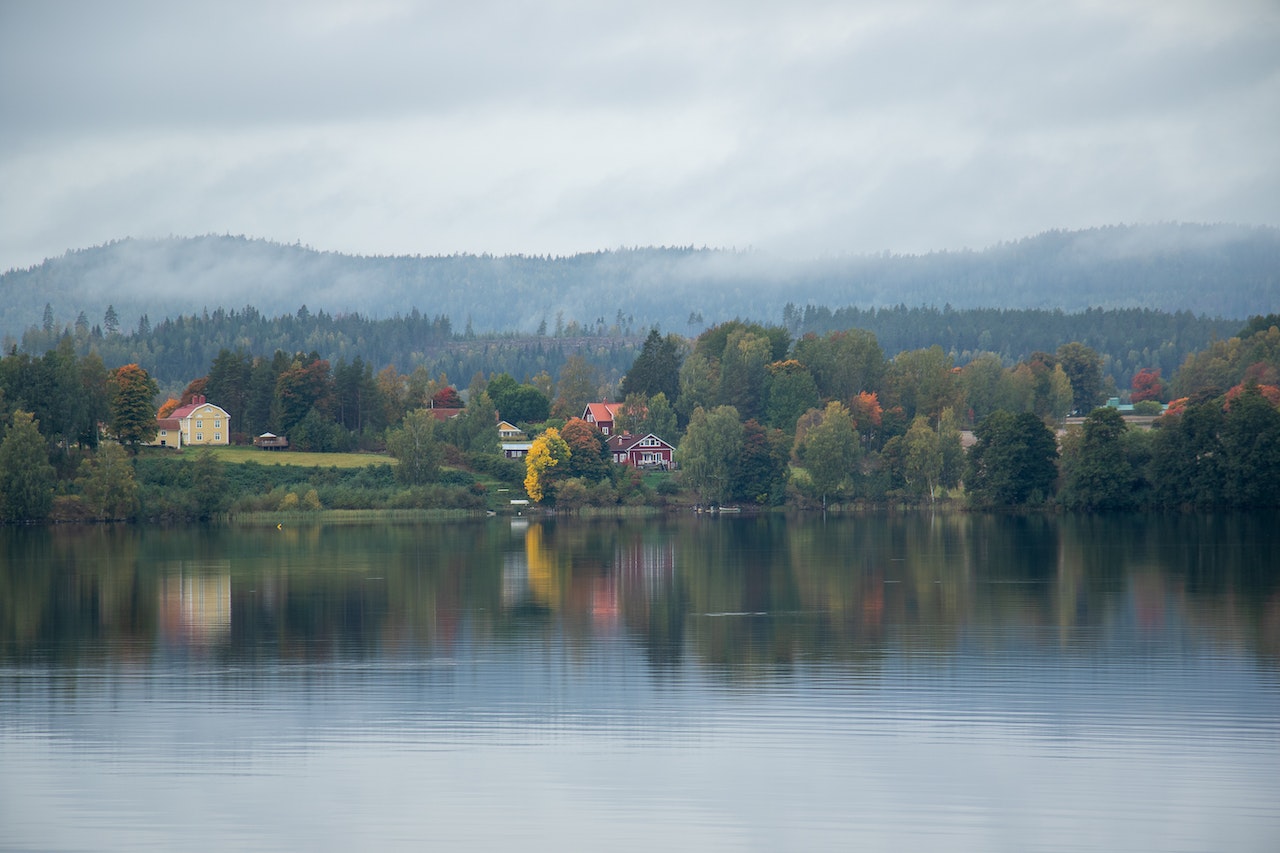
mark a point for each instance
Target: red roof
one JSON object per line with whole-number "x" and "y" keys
{"x": 602, "y": 412}
{"x": 185, "y": 411}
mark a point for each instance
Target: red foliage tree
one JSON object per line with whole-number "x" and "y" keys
{"x": 1270, "y": 393}
{"x": 1146, "y": 385}
{"x": 588, "y": 455}
{"x": 446, "y": 398}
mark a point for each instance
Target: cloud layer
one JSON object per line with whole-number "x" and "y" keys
{"x": 800, "y": 128}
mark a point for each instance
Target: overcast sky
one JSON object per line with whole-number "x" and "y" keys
{"x": 799, "y": 127}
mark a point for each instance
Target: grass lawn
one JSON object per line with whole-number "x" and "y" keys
{"x": 237, "y": 455}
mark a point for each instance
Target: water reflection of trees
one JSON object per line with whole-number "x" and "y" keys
{"x": 750, "y": 597}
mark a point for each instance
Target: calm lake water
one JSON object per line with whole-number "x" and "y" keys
{"x": 883, "y": 682}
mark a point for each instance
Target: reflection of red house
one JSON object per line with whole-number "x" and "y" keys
{"x": 601, "y": 416}
{"x": 640, "y": 451}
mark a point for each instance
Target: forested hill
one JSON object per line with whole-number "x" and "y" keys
{"x": 1216, "y": 270}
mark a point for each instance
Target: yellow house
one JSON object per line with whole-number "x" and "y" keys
{"x": 201, "y": 422}
{"x": 168, "y": 433}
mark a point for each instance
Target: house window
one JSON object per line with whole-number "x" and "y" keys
{"x": 217, "y": 437}
{"x": 199, "y": 436}
{"x": 217, "y": 424}
{"x": 200, "y": 424}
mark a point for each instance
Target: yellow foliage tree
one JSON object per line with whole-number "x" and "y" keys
{"x": 547, "y": 452}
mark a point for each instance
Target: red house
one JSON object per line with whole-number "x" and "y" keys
{"x": 641, "y": 451}
{"x": 601, "y": 416}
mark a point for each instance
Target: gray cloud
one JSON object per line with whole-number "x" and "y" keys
{"x": 807, "y": 127}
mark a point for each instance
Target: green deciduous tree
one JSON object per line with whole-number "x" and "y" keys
{"x": 1097, "y": 474}
{"x": 922, "y": 382}
{"x": 26, "y": 476}
{"x": 792, "y": 391}
{"x": 1251, "y": 444}
{"x": 980, "y": 385}
{"x": 1013, "y": 461}
{"x": 843, "y": 363}
{"x": 524, "y": 404}
{"x": 108, "y": 484}
{"x": 760, "y": 475}
{"x": 1083, "y": 367}
{"x": 1188, "y": 465}
{"x": 922, "y": 458}
{"x": 415, "y": 446}
{"x": 208, "y": 484}
{"x": 709, "y": 453}
{"x": 827, "y": 445}
{"x": 475, "y": 429}
{"x": 744, "y": 371}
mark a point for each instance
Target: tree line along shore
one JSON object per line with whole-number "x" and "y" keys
{"x": 758, "y": 418}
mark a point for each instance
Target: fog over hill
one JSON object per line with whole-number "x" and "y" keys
{"x": 1223, "y": 271}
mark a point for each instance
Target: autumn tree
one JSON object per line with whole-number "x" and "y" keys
{"x": 544, "y": 464}
{"x": 588, "y": 454}
{"x": 446, "y": 398}
{"x": 133, "y": 419}
{"x": 305, "y": 385}
{"x": 1146, "y": 385}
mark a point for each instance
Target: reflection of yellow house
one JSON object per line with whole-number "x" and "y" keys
{"x": 201, "y": 422}
{"x": 196, "y": 609}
